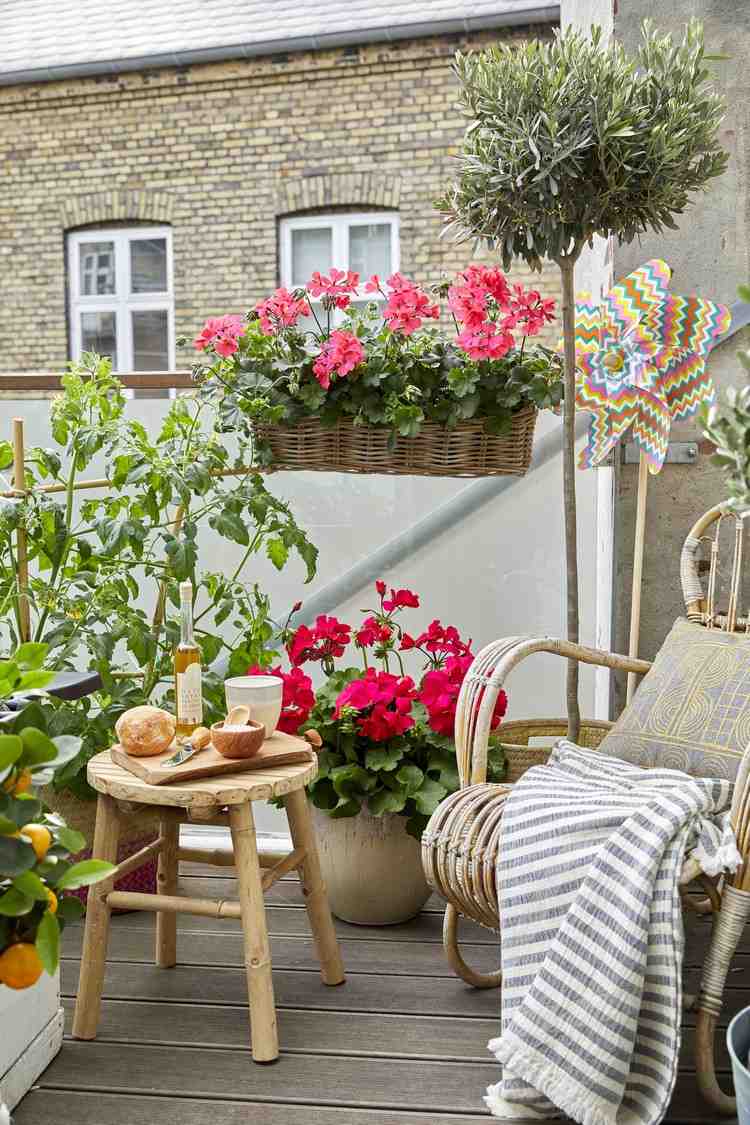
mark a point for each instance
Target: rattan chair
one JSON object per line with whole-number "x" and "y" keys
{"x": 460, "y": 844}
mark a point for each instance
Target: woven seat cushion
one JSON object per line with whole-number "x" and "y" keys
{"x": 691, "y": 712}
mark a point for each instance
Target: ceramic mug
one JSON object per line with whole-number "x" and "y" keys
{"x": 262, "y": 694}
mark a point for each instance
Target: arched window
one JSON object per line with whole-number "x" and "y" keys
{"x": 121, "y": 296}
{"x": 364, "y": 241}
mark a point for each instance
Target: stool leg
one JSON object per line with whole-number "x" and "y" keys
{"x": 265, "y": 1041}
{"x": 96, "y": 934}
{"x": 166, "y": 884}
{"x": 314, "y": 889}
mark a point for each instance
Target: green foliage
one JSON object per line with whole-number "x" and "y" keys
{"x": 727, "y": 425}
{"x": 403, "y": 382}
{"x": 97, "y": 566}
{"x": 26, "y": 879}
{"x": 409, "y": 775}
{"x": 572, "y": 138}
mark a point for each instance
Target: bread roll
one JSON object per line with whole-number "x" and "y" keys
{"x": 145, "y": 731}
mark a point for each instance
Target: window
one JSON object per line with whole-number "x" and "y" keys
{"x": 121, "y": 300}
{"x": 365, "y": 242}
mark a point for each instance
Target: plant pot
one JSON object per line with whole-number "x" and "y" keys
{"x": 372, "y": 868}
{"x": 738, "y": 1042}
{"x": 32, "y": 1022}
{"x": 137, "y": 829}
{"x": 465, "y": 450}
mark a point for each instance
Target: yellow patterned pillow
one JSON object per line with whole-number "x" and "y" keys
{"x": 691, "y": 712}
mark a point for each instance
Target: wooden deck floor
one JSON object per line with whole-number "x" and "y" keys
{"x": 401, "y": 1043}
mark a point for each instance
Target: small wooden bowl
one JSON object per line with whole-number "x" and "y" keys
{"x": 243, "y": 743}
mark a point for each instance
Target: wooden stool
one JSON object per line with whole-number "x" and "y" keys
{"x": 219, "y": 800}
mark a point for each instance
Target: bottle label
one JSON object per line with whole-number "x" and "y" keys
{"x": 188, "y": 689}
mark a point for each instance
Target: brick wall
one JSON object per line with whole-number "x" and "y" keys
{"x": 222, "y": 151}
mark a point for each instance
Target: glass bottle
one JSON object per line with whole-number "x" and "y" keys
{"x": 187, "y": 670}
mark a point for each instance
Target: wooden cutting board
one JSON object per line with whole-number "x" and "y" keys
{"x": 279, "y": 750}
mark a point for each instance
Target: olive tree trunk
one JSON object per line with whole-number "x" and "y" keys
{"x": 567, "y": 267}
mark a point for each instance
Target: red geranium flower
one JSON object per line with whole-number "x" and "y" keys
{"x": 439, "y": 694}
{"x": 383, "y": 702}
{"x": 442, "y": 641}
{"x": 326, "y": 640}
{"x": 401, "y": 599}
{"x": 298, "y": 697}
{"x": 372, "y": 632}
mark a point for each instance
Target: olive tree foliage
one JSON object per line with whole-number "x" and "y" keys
{"x": 571, "y": 138}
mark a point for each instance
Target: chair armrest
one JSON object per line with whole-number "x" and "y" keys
{"x": 487, "y": 675}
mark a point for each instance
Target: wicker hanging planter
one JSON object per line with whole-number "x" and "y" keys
{"x": 465, "y": 450}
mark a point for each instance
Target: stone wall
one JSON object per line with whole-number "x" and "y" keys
{"x": 221, "y": 151}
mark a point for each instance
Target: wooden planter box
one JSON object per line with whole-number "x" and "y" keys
{"x": 466, "y": 450}
{"x": 32, "y": 1022}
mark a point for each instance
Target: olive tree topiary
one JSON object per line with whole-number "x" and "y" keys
{"x": 572, "y": 138}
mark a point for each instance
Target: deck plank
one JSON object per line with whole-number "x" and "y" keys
{"x": 397, "y": 958}
{"x": 362, "y": 992}
{"x": 300, "y": 1030}
{"x": 55, "y": 1107}
{"x": 325, "y": 1080}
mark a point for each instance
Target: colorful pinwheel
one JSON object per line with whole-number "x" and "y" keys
{"x": 641, "y": 357}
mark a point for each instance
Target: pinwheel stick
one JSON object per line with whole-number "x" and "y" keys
{"x": 638, "y": 553}
{"x": 567, "y": 266}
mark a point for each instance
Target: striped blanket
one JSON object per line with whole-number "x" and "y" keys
{"x": 591, "y": 852}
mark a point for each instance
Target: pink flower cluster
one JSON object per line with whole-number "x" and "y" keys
{"x": 221, "y": 333}
{"x": 489, "y": 310}
{"x": 440, "y": 691}
{"x": 298, "y": 697}
{"x": 407, "y": 305}
{"x": 281, "y": 310}
{"x": 340, "y": 354}
{"x": 383, "y": 702}
{"x": 334, "y": 289}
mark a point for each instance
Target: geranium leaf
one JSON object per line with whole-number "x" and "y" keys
{"x": 384, "y": 757}
{"x": 429, "y": 796}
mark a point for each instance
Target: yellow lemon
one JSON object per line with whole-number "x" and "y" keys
{"x": 39, "y": 837}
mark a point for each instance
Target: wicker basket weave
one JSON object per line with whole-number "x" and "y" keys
{"x": 465, "y": 450}
{"x": 461, "y": 842}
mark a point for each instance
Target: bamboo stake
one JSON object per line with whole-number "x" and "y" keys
{"x": 104, "y": 482}
{"x": 638, "y": 553}
{"x": 22, "y": 551}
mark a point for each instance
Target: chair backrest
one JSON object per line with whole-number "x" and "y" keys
{"x": 701, "y": 605}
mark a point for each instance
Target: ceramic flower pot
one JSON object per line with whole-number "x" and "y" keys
{"x": 372, "y": 868}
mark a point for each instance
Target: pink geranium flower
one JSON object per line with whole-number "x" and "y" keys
{"x": 334, "y": 288}
{"x": 221, "y": 333}
{"x": 488, "y": 341}
{"x": 281, "y": 310}
{"x": 407, "y": 305}
{"x": 340, "y": 354}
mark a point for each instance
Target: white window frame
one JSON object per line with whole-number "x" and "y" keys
{"x": 339, "y": 222}
{"x": 122, "y": 302}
